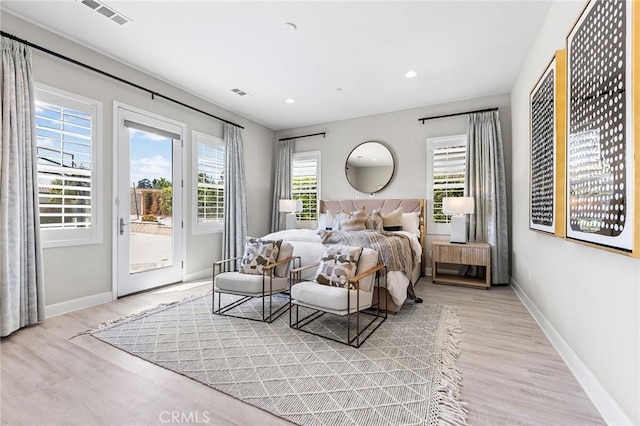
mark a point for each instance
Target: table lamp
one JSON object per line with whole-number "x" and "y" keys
{"x": 290, "y": 207}
{"x": 458, "y": 207}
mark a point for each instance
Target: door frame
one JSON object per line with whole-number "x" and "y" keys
{"x": 114, "y": 190}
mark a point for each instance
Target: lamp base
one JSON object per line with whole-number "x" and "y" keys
{"x": 458, "y": 229}
{"x": 291, "y": 221}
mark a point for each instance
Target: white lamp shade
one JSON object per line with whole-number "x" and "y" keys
{"x": 457, "y": 205}
{"x": 290, "y": 206}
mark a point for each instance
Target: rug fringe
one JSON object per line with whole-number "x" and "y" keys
{"x": 453, "y": 411}
{"x": 161, "y": 307}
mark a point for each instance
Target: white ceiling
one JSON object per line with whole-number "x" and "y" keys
{"x": 346, "y": 59}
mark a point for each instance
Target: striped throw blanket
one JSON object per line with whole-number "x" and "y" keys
{"x": 394, "y": 250}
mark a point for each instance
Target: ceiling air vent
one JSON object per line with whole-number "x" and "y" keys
{"x": 239, "y": 92}
{"x": 106, "y": 11}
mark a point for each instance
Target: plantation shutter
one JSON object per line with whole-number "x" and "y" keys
{"x": 304, "y": 185}
{"x": 210, "y": 160}
{"x": 64, "y": 151}
{"x": 449, "y": 164}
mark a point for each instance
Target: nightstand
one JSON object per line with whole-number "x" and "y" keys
{"x": 474, "y": 254}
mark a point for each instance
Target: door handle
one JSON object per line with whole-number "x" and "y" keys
{"x": 122, "y": 224}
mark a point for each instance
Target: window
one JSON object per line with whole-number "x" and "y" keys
{"x": 208, "y": 158}
{"x": 446, "y": 164}
{"x": 305, "y": 183}
{"x": 68, "y": 133}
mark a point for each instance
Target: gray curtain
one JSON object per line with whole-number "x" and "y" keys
{"x": 235, "y": 194}
{"x": 485, "y": 180}
{"x": 282, "y": 184}
{"x": 21, "y": 283}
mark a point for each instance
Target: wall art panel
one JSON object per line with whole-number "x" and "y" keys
{"x": 599, "y": 154}
{"x": 543, "y": 152}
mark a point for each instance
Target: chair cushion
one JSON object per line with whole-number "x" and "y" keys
{"x": 259, "y": 253}
{"x": 286, "y": 250}
{"x": 338, "y": 265}
{"x": 334, "y": 299}
{"x": 327, "y": 298}
{"x": 248, "y": 285}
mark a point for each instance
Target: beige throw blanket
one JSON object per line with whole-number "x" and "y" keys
{"x": 394, "y": 250}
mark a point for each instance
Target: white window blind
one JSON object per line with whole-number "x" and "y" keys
{"x": 66, "y": 149}
{"x": 209, "y": 166}
{"x": 449, "y": 165}
{"x": 446, "y": 177}
{"x": 305, "y": 178}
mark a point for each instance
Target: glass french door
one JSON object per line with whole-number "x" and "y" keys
{"x": 149, "y": 230}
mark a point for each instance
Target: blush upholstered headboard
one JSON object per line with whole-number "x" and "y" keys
{"x": 385, "y": 206}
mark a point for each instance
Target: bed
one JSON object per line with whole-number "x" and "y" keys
{"x": 400, "y": 246}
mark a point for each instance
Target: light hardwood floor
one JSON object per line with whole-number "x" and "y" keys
{"x": 512, "y": 375}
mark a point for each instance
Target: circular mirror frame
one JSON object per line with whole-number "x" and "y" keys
{"x": 388, "y": 180}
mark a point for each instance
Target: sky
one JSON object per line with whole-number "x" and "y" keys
{"x": 150, "y": 156}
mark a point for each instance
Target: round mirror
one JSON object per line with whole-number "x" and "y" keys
{"x": 369, "y": 167}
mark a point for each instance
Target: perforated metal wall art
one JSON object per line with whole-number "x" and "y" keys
{"x": 600, "y": 144}
{"x": 543, "y": 153}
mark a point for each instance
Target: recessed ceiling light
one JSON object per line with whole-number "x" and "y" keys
{"x": 290, "y": 100}
{"x": 289, "y": 27}
{"x": 411, "y": 74}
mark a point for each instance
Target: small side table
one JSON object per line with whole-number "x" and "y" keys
{"x": 475, "y": 254}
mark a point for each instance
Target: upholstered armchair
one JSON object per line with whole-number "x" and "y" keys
{"x": 344, "y": 288}
{"x": 262, "y": 273}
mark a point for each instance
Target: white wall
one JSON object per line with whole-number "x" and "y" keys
{"x": 405, "y": 136}
{"x": 82, "y": 272}
{"x": 589, "y": 297}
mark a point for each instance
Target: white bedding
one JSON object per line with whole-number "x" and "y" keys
{"x": 306, "y": 244}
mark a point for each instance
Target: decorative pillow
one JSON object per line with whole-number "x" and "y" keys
{"x": 325, "y": 223}
{"x": 411, "y": 222}
{"x": 353, "y": 221}
{"x": 337, "y": 218}
{"x": 393, "y": 220}
{"x": 374, "y": 222}
{"x": 258, "y": 254}
{"x": 338, "y": 265}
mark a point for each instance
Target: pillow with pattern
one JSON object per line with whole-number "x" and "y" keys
{"x": 353, "y": 221}
{"x": 374, "y": 222}
{"x": 258, "y": 254}
{"x": 338, "y": 265}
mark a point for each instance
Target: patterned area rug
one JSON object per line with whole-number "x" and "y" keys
{"x": 404, "y": 374}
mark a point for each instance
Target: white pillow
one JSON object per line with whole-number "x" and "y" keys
{"x": 325, "y": 222}
{"x": 411, "y": 222}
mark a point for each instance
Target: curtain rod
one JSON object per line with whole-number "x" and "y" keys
{"x": 303, "y": 136}
{"x": 456, "y": 113}
{"x": 121, "y": 80}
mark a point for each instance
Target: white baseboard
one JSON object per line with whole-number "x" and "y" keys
{"x": 76, "y": 304}
{"x": 98, "y": 299}
{"x": 427, "y": 272}
{"x": 203, "y": 273}
{"x": 604, "y": 403}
